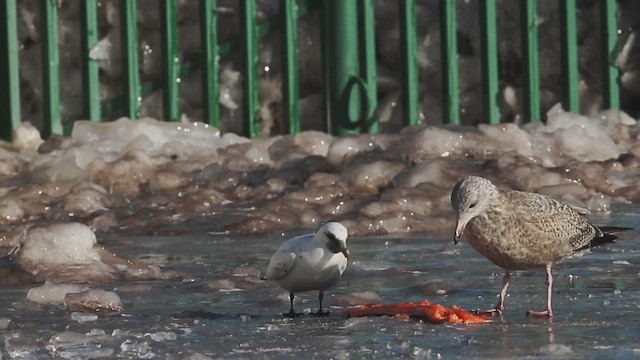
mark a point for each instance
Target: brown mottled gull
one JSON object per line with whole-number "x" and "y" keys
{"x": 521, "y": 230}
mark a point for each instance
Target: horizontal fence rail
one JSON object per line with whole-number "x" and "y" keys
{"x": 349, "y": 74}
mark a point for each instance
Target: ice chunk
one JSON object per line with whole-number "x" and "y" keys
{"x": 46, "y": 248}
{"x": 508, "y": 138}
{"x": 4, "y": 323}
{"x": 72, "y": 345}
{"x": 53, "y": 293}
{"x": 86, "y": 199}
{"x": 321, "y": 179}
{"x": 221, "y": 285}
{"x": 431, "y": 142}
{"x": 530, "y": 177}
{"x": 83, "y": 317}
{"x": 373, "y": 176}
{"x": 141, "y": 350}
{"x": 616, "y": 116}
{"x": 11, "y": 211}
{"x": 344, "y": 149}
{"x": 185, "y": 139}
{"x": 22, "y": 345}
{"x": 197, "y": 356}
{"x": 165, "y": 181}
{"x": 314, "y": 142}
{"x": 568, "y": 136}
{"x": 11, "y": 163}
{"x": 67, "y": 252}
{"x": 61, "y": 165}
{"x": 68, "y": 338}
{"x": 97, "y": 332}
{"x": 162, "y": 336}
{"x": 26, "y": 137}
{"x": 87, "y": 352}
{"x": 98, "y": 301}
{"x": 433, "y": 172}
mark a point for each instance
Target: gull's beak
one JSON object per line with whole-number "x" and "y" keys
{"x": 459, "y": 231}
{"x": 346, "y": 253}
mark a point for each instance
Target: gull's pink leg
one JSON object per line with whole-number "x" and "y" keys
{"x": 503, "y": 293}
{"x": 546, "y": 312}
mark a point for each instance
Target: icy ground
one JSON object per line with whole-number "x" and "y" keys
{"x": 223, "y": 311}
{"x": 209, "y": 209}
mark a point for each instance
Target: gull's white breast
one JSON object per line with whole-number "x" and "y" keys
{"x": 303, "y": 264}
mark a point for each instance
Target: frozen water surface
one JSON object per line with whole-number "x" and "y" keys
{"x": 222, "y": 310}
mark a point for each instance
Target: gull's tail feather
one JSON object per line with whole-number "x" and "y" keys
{"x": 607, "y": 236}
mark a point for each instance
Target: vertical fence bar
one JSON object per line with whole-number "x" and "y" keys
{"x": 325, "y": 50}
{"x": 50, "y": 68}
{"x": 9, "y": 69}
{"x": 170, "y": 61}
{"x": 569, "y": 55}
{"x": 489, "y": 55}
{"x": 129, "y": 50}
{"x": 449, "y": 55}
{"x": 289, "y": 47}
{"x": 249, "y": 80}
{"x": 368, "y": 64}
{"x": 609, "y": 35}
{"x": 409, "y": 61}
{"x": 90, "y": 77}
{"x": 209, "y": 44}
{"x": 343, "y": 67}
{"x": 529, "y": 33}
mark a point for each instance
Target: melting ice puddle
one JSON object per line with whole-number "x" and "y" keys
{"x": 223, "y": 310}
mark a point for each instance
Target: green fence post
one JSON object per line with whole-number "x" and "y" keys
{"x": 90, "y": 75}
{"x": 408, "y": 55}
{"x": 9, "y": 70}
{"x": 609, "y": 35}
{"x": 368, "y": 64}
{"x": 170, "y": 61}
{"x": 129, "y": 50}
{"x": 488, "y": 39}
{"x": 325, "y": 57}
{"x": 343, "y": 67}
{"x": 531, "y": 86}
{"x": 50, "y": 68}
{"x": 250, "y": 78}
{"x": 449, "y": 60}
{"x": 209, "y": 43}
{"x": 289, "y": 48}
{"x": 569, "y": 55}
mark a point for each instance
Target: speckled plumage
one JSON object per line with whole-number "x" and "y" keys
{"x": 520, "y": 230}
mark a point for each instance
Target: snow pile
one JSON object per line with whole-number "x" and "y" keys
{"x": 152, "y": 176}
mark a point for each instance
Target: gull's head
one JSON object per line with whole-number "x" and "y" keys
{"x": 335, "y": 234}
{"x": 471, "y": 196}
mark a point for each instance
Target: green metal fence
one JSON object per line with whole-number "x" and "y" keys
{"x": 348, "y": 56}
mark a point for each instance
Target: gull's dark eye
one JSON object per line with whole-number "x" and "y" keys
{"x": 472, "y": 206}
